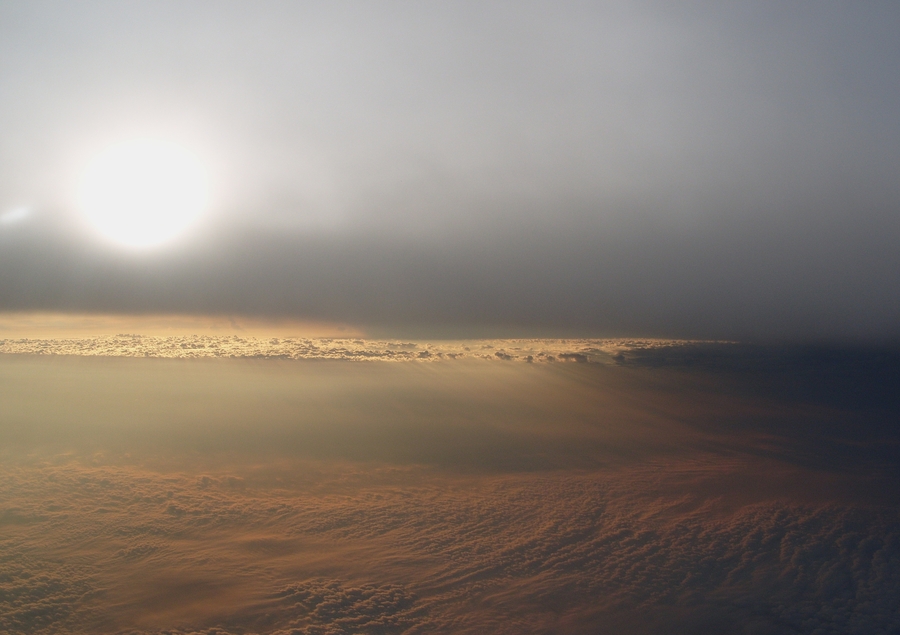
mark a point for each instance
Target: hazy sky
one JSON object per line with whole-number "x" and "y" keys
{"x": 598, "y": 168}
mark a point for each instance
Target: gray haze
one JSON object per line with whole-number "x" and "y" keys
{"x": 591, "y": 168}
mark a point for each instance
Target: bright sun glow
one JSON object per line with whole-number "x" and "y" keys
{"x": 143, "y": 193}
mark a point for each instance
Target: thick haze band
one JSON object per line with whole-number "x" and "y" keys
{"x": 591, "y": 168}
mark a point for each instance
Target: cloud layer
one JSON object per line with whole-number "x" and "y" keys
{"x": 108, "y": 548}
{"x": 643, "y": 495}
{"x": 233, "y": 346}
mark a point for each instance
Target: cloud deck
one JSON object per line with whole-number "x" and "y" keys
{"x": 193, "y": 346}
{"x": 240, "y": 496}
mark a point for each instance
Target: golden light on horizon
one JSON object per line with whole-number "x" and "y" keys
{"x": 48, "y": 324}
{"x": 143, "y": 193}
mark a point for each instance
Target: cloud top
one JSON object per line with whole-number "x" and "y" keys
{"x": 230, "y": 346}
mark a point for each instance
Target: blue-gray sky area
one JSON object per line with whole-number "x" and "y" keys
{"x": 701, "y": 170}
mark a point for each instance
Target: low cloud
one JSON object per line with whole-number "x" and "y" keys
{"x": 662, "y": 491}
{"x": 424, "y": 553}
{"x": 192, "y": 346}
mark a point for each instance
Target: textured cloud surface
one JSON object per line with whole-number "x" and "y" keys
{"x": 109, "y": 548}
{"x": 227, "y": 497}
{"x": 192, "y": 346}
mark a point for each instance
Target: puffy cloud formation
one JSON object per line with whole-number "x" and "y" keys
{"x": 374, "y": 550}
{"x": 187, "y": 346}
{"x": 231, "y": 497}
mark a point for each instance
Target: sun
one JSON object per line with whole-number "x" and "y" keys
{"x": 143, "y": 193}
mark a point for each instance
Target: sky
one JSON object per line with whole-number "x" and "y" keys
{"x": 591, "y": 169}
{"x": 232, "y": 234}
